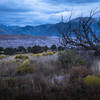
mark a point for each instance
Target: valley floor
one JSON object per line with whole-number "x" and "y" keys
{"x": 27, "y": 40}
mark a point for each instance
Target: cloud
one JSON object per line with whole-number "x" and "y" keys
{"x": 71, "y": 1}
{"x": 34, "y": 12}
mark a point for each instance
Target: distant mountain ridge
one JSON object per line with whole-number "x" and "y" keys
{"x": 41, "y": 30}
{"x": 44, "y": 30}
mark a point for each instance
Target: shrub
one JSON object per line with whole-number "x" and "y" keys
{"x": 60, "y": 48}
{"x": 29, "y": 49}
{"x": 1, "y": 50}
{"x": 25, "y": 67}
{"x": 3, "y": 56}
{"x": 45, "y": 48}
{"x": 9, "y": 51}
{"x": 36, "y": 49}
{"x": 48, "y": 53}
{"x": 21, "y": 49}
{"x": 78, "y": 73}
{"x": 43, "y": 54}
{"x": 53, "y": 48}
{"x": 69, "y": 58}
{"x": 21, "y": 56}
{"x": 92, "y": 81}
{"x": 37, "y": 55}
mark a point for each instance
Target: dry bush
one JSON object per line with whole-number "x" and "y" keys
{"x": 37, "y": 55}
{"x": 27, "y": 66}
{"x": 21, "y": 56}
{"x": 3, "y": 56}
{"x": 48, "y": 53}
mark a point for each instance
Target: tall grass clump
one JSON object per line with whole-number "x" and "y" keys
{"x": 3, "y": 56}
{"x": 27, "y": 66}
{"x": 48, "y": 53}
{"x": 21, "y": 56}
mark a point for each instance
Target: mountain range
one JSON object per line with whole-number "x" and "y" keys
{"x": 43, "y": 30}
{"x": 48, "y": 34}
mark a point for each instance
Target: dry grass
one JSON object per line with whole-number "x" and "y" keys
{"x": 27, "y": 66}
{"x": 21, "y": 56}
{"x": 3, "y": 56}
{"x": 42, "y": 76}
{"x": 49, "y": 53}
{"x": 37, "y": 55}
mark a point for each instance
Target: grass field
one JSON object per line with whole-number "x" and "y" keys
{"x": 49, "y": 75}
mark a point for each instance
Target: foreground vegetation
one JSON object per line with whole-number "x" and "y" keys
{"x": 63, "y": 75}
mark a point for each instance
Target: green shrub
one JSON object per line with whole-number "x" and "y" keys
{"x": 25, "y": 67}
{"x": 53, "y": 48}
{"x": 29, "y": 49}
{"x": 36, "y": 49}
{"x": 92, "y": 81}
{"x": 60, "y": 48}
{"x": 45, "y": 48}
{"x": 1, "y": 50}
{"x": 21, "y": 56}
{"x": 21, "y": 49}
{"x": 9, "y": 51}
{"x": 70, "y": 58}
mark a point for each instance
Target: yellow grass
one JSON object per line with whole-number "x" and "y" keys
{"x": 44, "y": 54}
{"x": 3, "y": 56}
{"x": 21, "y": 56}
{"x": 25, "y": 67}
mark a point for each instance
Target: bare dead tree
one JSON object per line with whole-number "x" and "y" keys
{"x": 82, "y": 34}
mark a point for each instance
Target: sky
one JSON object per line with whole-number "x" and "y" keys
{"x": 37, "y": 12}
